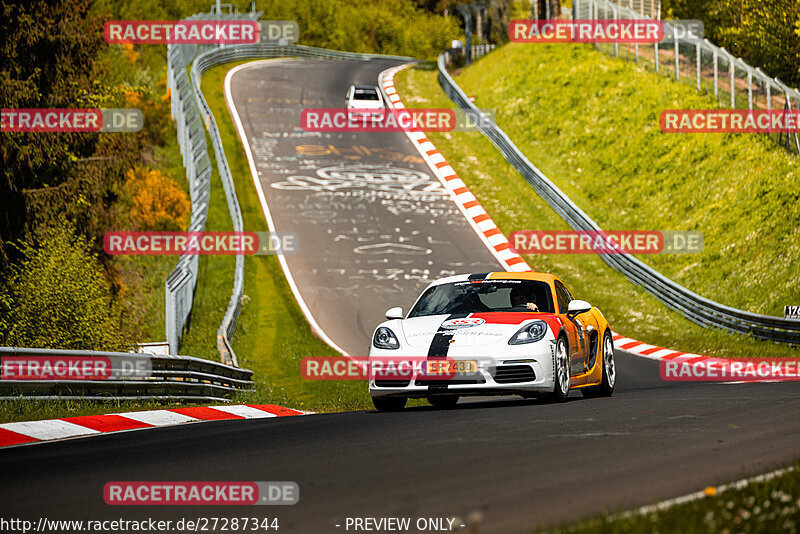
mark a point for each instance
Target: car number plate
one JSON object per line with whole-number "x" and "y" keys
{"x": 450, "y": 367}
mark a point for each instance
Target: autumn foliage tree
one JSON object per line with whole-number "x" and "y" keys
{"x": 157, "y": 203}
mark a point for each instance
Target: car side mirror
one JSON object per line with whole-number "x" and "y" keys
{"x": 577, "y": 307}
{"x": 394, "y": 313}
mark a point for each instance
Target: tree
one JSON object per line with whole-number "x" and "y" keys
{"x": 765, "y": 33}
{"x": 57, "y": 296}
{"x": 48, "y": 59}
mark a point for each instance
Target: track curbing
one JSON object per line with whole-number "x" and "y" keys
{"x": 32, "y": 432}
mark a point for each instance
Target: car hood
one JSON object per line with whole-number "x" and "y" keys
{"x": 473, "y": 330}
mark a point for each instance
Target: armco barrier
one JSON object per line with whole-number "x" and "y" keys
{"x": 693, "y": 306}
{"x": 191, "y": 112}
{"x": 172, "y": 378}
{"x": 204, "y": 62}
{"x": 190, "y": 127}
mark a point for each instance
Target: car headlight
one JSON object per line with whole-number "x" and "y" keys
{"x": 529, "y": 333}
{"x": 385, "y": 339}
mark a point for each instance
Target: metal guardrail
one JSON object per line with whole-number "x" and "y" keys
{"x": 171, "y": 378}
{"x": 694, "y": 307}
{"x": 191, "y": 111}
{"x": 201, "y": 64}
{"x": 181, "y": 283}
{"x": 457, "y": 56}
{"x": 746, "y": 86}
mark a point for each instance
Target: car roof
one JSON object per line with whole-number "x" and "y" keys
{"x": 498, "y": 275}
{"x": 366, "y": 88}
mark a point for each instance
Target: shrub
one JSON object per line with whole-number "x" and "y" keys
{"x": 157, "y": 201}
{"x": 58, "y": 297}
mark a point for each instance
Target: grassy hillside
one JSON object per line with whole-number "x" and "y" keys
{"x": 590, "y": 123}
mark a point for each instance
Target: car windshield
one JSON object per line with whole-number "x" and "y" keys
{"x": 365, "y": 94}
{"x": 475, "y": 296}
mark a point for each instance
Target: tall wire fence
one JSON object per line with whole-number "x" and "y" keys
{"x": 191, "y": 116}
{"x": 708, "y": 67}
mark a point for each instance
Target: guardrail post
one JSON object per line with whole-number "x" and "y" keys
{"x": 786, "y": 107}
{"x": 796, "y": 137}
{"x": 465, "y": 12}
{"x": 732, "y": 68}
{"x": 769, "y": 96}
{"x": 655, "y": 51}
{"x": 749, "y": 88}
{"x": 699, "y": 52}
{"x": 716, "y": 73}
{"x": 677, "y": 56}
{"x": 616, "y": 19}
{"x": 636, "y": 44}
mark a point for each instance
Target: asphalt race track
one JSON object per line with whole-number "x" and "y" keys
{"x": 374, "y": 225}
{"x": 520, "y": 463}
{"x": 366, "y": 243}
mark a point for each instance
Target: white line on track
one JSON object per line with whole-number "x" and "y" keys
{"x": 683, "y": 499}
{"x": 263, "y": 200}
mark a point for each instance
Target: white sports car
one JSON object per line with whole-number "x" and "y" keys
{"x": 498, "y": 333}
{"x": 364, "y": 101}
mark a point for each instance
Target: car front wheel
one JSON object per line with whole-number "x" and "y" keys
{"x": 606, "y": 387}
{"x": 561, "y": 386}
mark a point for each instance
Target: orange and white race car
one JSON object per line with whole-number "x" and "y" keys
{"x": 498, "y": 333}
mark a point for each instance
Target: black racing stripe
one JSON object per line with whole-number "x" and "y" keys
{"x": 478, "y": 276}
{"x": 441, "y": 339}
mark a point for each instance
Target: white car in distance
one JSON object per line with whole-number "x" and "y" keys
{"x": 364, "y": 101}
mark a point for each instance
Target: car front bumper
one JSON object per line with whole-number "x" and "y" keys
{"x": 517, "y": 373}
